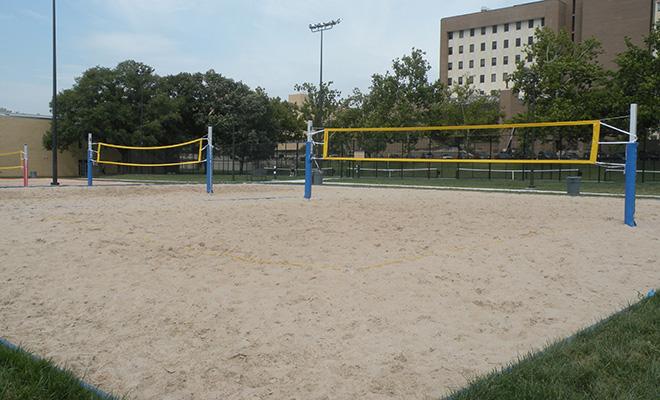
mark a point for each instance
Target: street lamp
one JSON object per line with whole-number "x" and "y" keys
{"x": 321, "y": 27}
{"x": 54, "y": 102}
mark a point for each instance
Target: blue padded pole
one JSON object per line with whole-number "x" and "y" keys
{"x": 308, "y": 162}
{"x": 631, "y": 169}
{"x": 90, "y": 164}
{"x": 209, "y": 161}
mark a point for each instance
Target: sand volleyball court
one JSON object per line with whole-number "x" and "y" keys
{"x": 252, "y": 293}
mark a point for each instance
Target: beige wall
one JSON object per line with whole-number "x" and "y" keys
{"x": 298, "y": 99}
{"x": 16, "y": 131}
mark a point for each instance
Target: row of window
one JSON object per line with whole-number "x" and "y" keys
{"x": 494, "y": 29}
{"x": 482, "y": 63}
{"x": 493, "y": 45}
{"x": 482, "y": 79}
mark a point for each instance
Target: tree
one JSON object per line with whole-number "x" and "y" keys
{"x": 638, "y": 81}
{"x": 121, "y": 105}
{"x": 310, "y": 109}
{"x": 563, "y": 80}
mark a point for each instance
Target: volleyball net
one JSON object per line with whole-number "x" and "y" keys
{"x": 573, "y": 142}
{"x": 15, "y": 161}
{"x": 183, "y": 155}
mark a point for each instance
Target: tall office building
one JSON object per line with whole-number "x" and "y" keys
{"x": 482, "y": 48}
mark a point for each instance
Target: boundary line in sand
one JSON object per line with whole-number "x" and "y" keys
{"x": 9, "y": 345}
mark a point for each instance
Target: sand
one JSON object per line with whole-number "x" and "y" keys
{"x": 254, "y": 293}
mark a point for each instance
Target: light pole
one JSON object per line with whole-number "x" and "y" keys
{"x": 54, "y": 102}
{"x": 321, "y": 27}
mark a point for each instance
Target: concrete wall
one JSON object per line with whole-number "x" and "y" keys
{"x": 18, "y": 130}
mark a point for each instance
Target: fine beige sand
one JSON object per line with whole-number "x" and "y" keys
{"x": 254, "y": 293}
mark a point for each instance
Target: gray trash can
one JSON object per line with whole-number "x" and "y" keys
{"x": 317, "y": 177}
{"x": 573, "y": 185}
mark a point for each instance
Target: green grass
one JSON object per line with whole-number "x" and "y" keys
{"x": 618, "y": 358}
{"x": 24, "y": 377}
{"x": 193, "y": 178}
{"x": 646, "y": 188}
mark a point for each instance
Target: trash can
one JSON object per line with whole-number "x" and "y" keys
{"x": 317, "y": 177}
{"x": 573, "y": 185}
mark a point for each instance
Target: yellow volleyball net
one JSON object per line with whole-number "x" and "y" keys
{"x": 186, "y": 153}
{"x": 12, "y": 160}
{"x": 571, "y": 142}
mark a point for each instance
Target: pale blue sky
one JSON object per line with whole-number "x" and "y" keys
{"x": 263, "y": 43}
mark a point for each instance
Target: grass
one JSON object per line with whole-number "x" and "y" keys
{"x": 646, "y": 188}
{"x": 618, "y": 358}
{"x": 192, "y": 178}
{"x": 24, "y": 377}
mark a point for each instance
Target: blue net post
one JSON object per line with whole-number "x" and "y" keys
{"x": 308, "y": 162}
{"x": 90, "y": 163}
{"x": 631, "y": 178}
{"x": 209, "y": 161}
{"x": 631, "y": 169}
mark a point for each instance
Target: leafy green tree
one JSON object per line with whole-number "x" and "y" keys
{"x": 120, "y": 105}
{"x": 311, "y": 110}
{"x": 561, "y": 81}
{"x": 638, "y": 81}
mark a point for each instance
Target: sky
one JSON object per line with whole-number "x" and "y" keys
{"x": 264, "y": 43}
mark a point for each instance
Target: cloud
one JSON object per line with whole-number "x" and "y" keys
{"x": 130, "y": 45}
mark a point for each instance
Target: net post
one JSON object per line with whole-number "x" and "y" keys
{"x": 25, "y": 165}
{"x": 308, "y": 161}
{"x": 631, "y": 169}
{"x": 209, "y": 161}
{"x": 90, "y": 158}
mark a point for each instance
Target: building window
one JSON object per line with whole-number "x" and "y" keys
{"x": 450, "y": 50}
{"x": 472, "y": 32}
{"x": 506, "y": 43}
{"x": 450, "y": 35}
{"x": 518, "y": 25}
{"x": 494, "y": 28}
{"x": 494, "y": 45}
{"x": 493, "y": 61}
{"x": 460, "y": 80}
{"x": 543, "y": 20}
{"x": 448, "y": 81}
{"x": 460, "y": 49}
{"x": 529, "y": 58}
{"x": 530, "y": 40}
{"x": 470, "y": 80}
{"x": 505, "y": 76}
{"x": 472, "y": 48}
{"x": 483, "y": 30}
{"x": 482, "y": 79}
{"x": 450, "y": 66}
{"x": 460, "y": 65}
{"x": 506, "y": 27}
{"x": 483, "y": 47}
{"x": 518, "y": 42}
{"x": 483, "y": 62}
{"x": 505, "y": 60}
{"x": 518, "y": 58}
{"x": 471, "y": 63}
{"x": 460, "y": 34}
{"x": 493, "y": 78}
{"x": 531, "y": 24}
